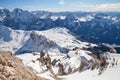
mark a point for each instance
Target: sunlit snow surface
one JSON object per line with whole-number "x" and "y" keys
{"x": 19, "y": 40}
{"x": 111, "y": 73}
{"x": 14, "y": 40}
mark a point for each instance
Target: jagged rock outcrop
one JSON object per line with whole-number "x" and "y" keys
{"x": 12, "y": 68}
{"x": 38, "y": 42}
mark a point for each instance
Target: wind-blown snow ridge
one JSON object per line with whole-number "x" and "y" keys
{"x": 12, "y": 39}
{"x": 20, "y": 41}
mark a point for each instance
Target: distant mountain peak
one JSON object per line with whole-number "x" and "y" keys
{"x": 88, "y": 26}
{"x": 17, "y": 10}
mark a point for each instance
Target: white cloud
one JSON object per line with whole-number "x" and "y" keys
{"x": 1, "y": 7}
{"x": 61, "y": 2}
{"x": 98, "y": 7}
{"x": 78, "y": 7}
{"x": 34, "y": 8}
{"x": 109, "y": 7}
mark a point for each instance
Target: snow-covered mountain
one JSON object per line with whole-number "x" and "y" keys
{"x": 19, "y": 41}
{"x": 65, "y": 55}
{"x": 3, "y": 13}
{"x": 58, "y": 42}
{"x": 111, "y": 73}
{"x": 97, "y": 27}
{"x": 12, "y": 40}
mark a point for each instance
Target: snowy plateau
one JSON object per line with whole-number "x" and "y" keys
{"x": 62, "y": 46}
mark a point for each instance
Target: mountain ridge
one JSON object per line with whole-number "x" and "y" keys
{"x": 96, "y": 27}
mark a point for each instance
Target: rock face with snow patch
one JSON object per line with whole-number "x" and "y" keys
{"x": 37, "y": 43}
{"x": 20, "y": 41}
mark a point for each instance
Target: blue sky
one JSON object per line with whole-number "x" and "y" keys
{"x": 62, "y": 5}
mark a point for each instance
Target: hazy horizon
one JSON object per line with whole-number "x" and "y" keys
{"x": 62, "y": 5}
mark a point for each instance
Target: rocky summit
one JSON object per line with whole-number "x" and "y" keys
{"x": 12, "y": 68}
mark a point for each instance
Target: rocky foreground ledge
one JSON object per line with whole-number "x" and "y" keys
{"x": 12, "y": 68}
